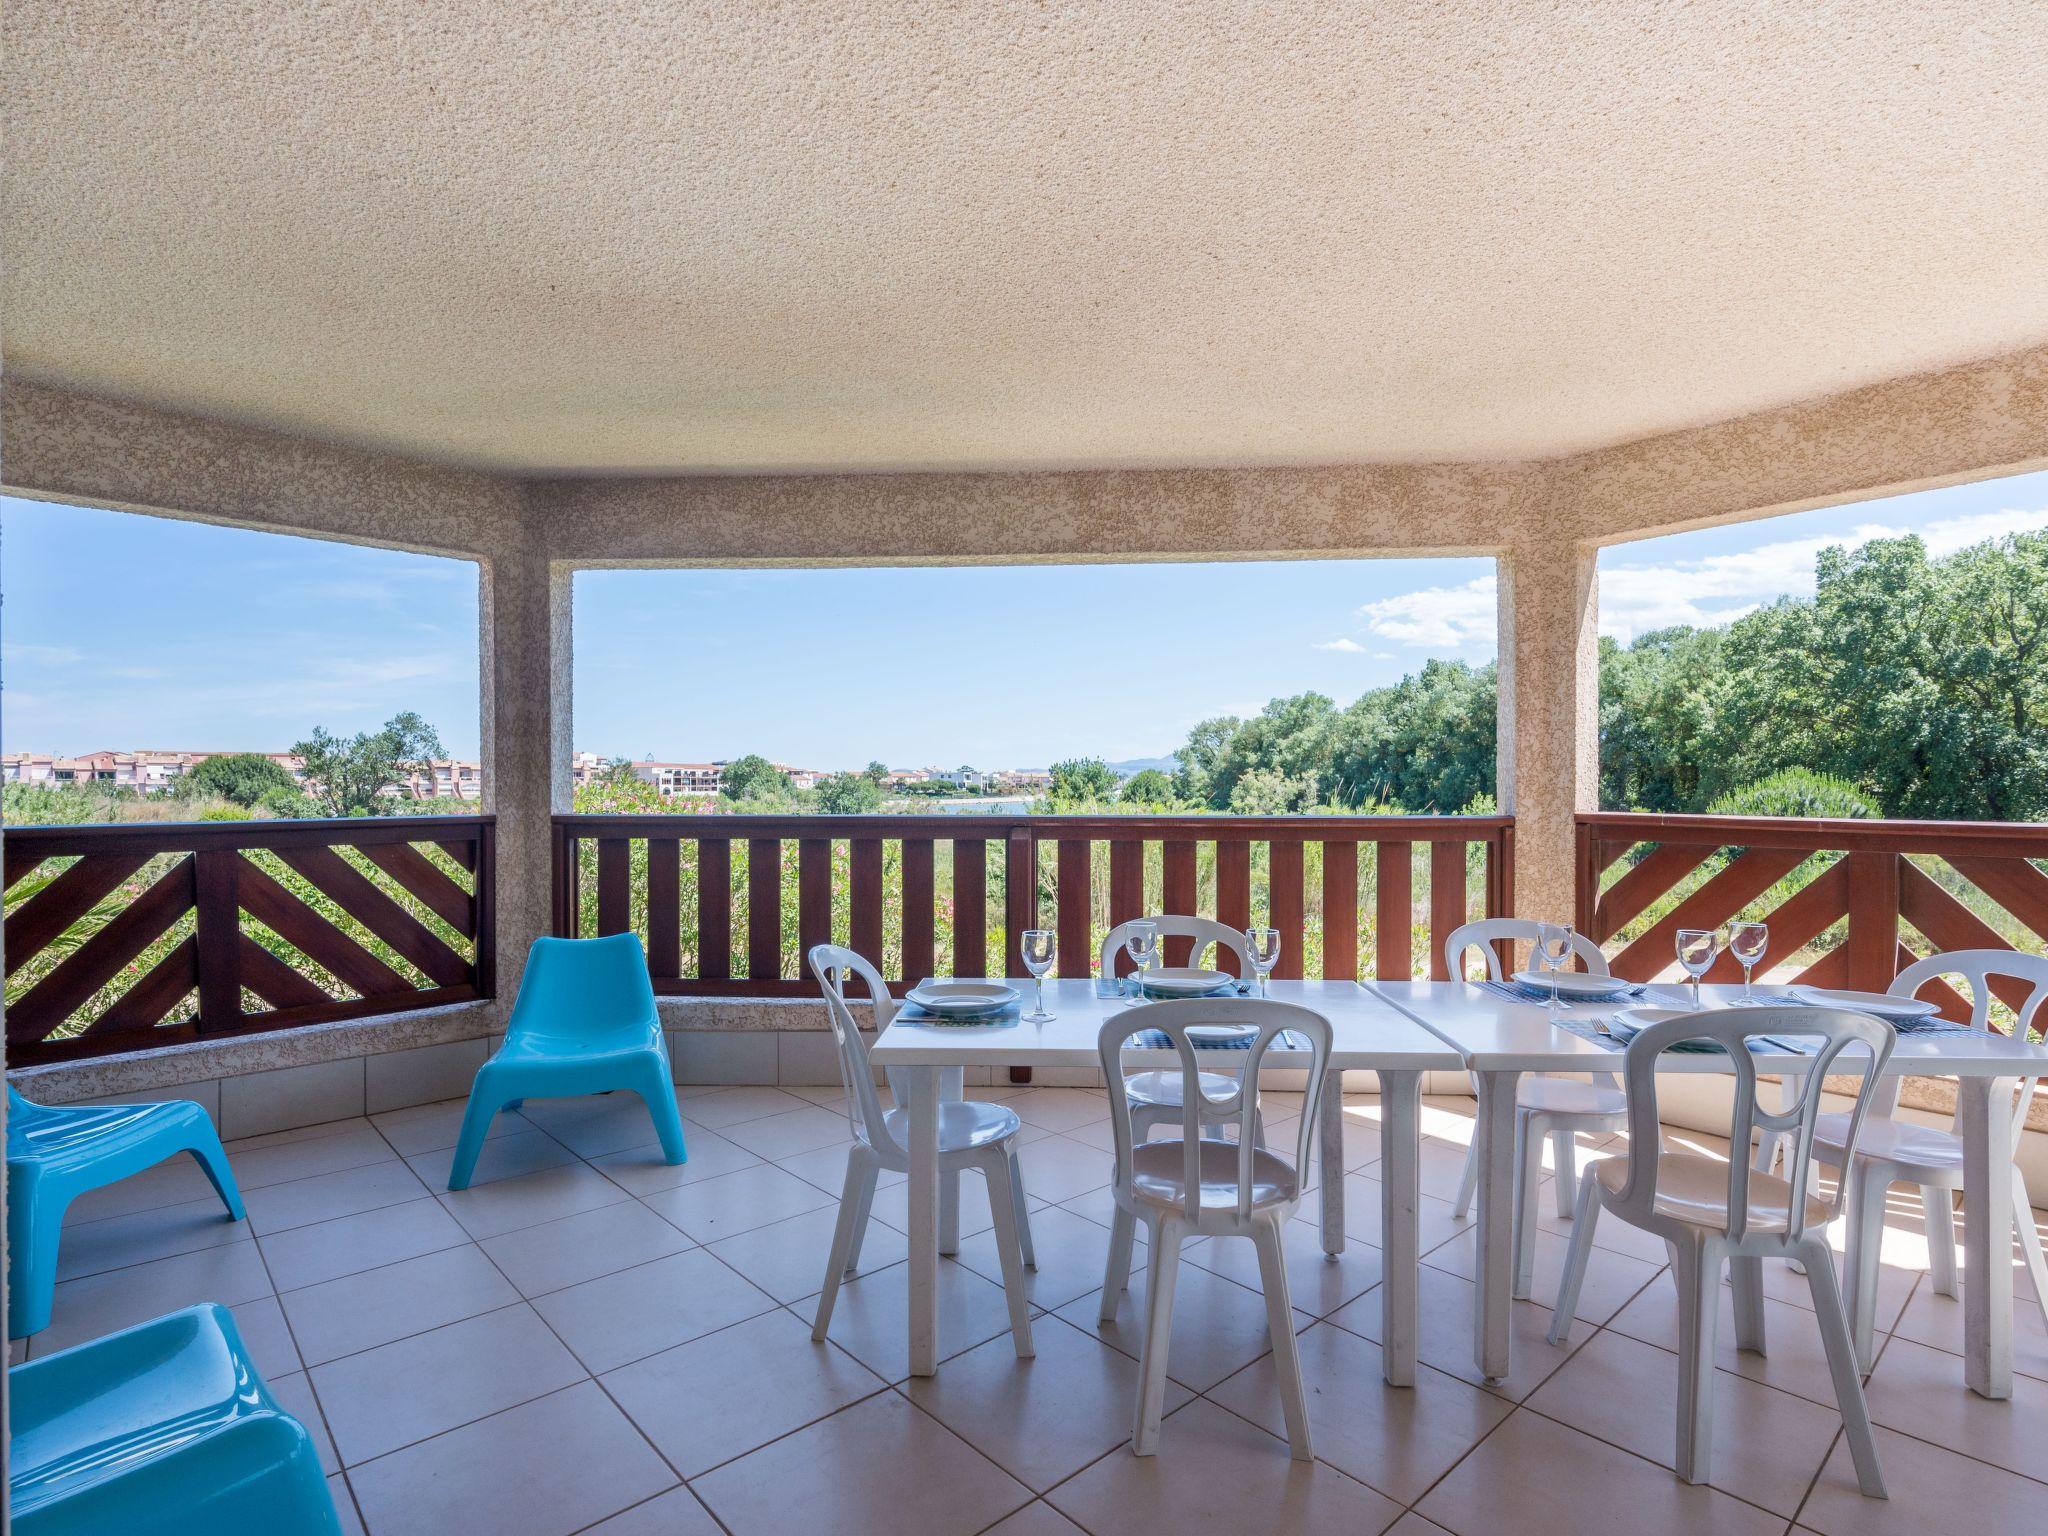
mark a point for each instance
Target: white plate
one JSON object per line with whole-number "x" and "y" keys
{"x": 1883, "y": 1004}
{"x": 1574, "y": 983}
{"x": 1201, "y": 1033}
{"x": 962, "y": 998}
{"x": 1185, "y": 980}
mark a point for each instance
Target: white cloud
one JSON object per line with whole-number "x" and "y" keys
{"x": 1459, "y": 618}
{"x": 16, "y": 652}
{"x": 1348, "y": 647}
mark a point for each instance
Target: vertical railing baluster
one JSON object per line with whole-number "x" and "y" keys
{"x": 1284, "y": 874}
{"x": 865, "y": 898}
{"x": 218, "y": 931}
{"x": 1446, "y": 900}
{"x": 920, "y": 945}
{"x": 970, "y": 906}
{"x": 1074, "y": 904}
{"x": 1180, "y": 893}
{"x": 614, "y": 885}
{"x": 1020, "y": 893}
{"x": 714, "y": 909}
{"x": 1340, "y": 911}
{"x": 1394, "y": 911}
{"x": 764, "y": 909}
{"x": 1126, "y": 890}
{"x": 664, "y": 908}
{"x": 813, "y": 898}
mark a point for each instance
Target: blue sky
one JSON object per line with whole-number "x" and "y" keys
{"x": 126, "y": 631}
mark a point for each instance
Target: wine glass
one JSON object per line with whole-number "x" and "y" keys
{"x": 1141, "y": 941}
{"x": 1553, "y": 948}
{"x": 1696, "y": 950}
{"x": 1747, "y": 943}
{"x": 1262, "y": 948}
{"x": 1039, "y": 946}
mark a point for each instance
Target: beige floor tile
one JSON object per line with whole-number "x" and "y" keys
{"x": 1057, "y": 1168}
{"x": 530, "y": 1199}
{"x": 871, "y": 1319}
{"x": 327, "y": 1250}
{"x": 1435, "y": 1220}
{"x": 1412, "y": 1524}
{"x": 1071, "y": 1252}
{"x": 1538, "y": 1478}
{"x": 288, "y": 1155}
{"x": 582, "y": 1247}
{"x": 1938, "y": 1321}
{"x": 1399, "y": 1440}
{"x": 1919, "y": 1391}
{"x": 86, "y": 1308}
{"x": 502, "y": 1157}
{"x": 356, "y": 1312}
{"x": 1059, "y": 1109}
{"x": 1767, "y": 1444}
{"x": 1042, "y": 1419}
{"x": 891, "y": 1205}
{"x": 651, "y": 1307}
{"x": 787, "y": 1258}
{"x": 645, "y": 1169}
{"x": 1441, "y": 1169}
{"x": 344, "y": 1505}
{"x": 1039, "y": 1519}
{"x": 1098, "y": 1134}
{"x": 734, "y": 1106}
{"x": 544, "y": 1468}
{"x": 675, "y": 1513}
{"x": 1895, "y": 1286}
{"x": 268, "y": 1337}
{"x": 846, "y": 1476}
{"x": 826, "y": 1168}
{"x": 1443, "y": 1313}
{"x": 295, "y": 1394}
{"x": 398, "y": 1393}
{"x": 1612, "y": 1279}
{"x": 786, "y": 1135}
{"x": 175, "y": 1181}
{"x": 1614, "y": 1236}
{"x": 737, "y": 1202}
{"x": 279, "y": 1207}
{"x": 705, "y": 1402}
{"x": 596, "y": 1124}
{"x": 1793, "y": 1359}
{"x": 1098, "y": 1206}
{"x": 323, "y": 1129}
{"x": 160, "y": 1232}
{"x": 430, "y": 1127}
{"x": 1219, "y": 1327}
{"x": 1931, "y": 1490}
{"x": 1318, "y": 1283}
{"x": 1215, "y": 1472}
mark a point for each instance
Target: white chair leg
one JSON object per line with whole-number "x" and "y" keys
{"x": 1468, "y": 1183}
{"x": 1865, "y": 1210}
{"x": 1564, "y": 1148}
{"x": 1529, "y": 1133}
{"x": 2030, "y": 1242}
{"x": 1259, "y": 1129}
{"x": 1842, "y": 1367}
{"x": 844, "y": 1236}
{"x": 949, "y": 1211}
{"x": 1938, "y": 1219}
{"x": 860, "y": 1220}
{"x": 1165, "y": 1271}
{"x": 1697, "y": 1272}
{"x": 1746, "y": 1280}
{"x": 1023, "y": 1211}
{"x": 1280, "y": 1331}
{"x": 1002, "y": 1206}
{"x": 1584, "y": 1221}
{"x": 1116, "y": 1278}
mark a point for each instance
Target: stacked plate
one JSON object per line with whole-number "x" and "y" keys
{"x": 1576, "y": 986}
{"x": 961, "y": 1002}
{"x": 1900, "y": 1010}
{"x": 1186, "y": 981}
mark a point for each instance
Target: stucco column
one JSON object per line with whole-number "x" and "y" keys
{"x": 1549, "y": 713}
{"x": 525, "y": 608}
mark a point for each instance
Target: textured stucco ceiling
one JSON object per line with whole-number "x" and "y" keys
{"x": 747, "y": 236}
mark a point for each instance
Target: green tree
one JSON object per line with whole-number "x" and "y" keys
{"x": 242, "y": 777}
{"x": 354, "y": 777}
{"x": 1269, "y": 792}
{"x": 1796, "y": 792}
{"x": 849, "y": 794}
{"x": 753, "y": 777}
{"x": 1085, "y": 780}
{"x": 1147, "y": 787}
{"x": 1195, "y": 779}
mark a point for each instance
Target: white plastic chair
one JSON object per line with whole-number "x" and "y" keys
{"x": 1709, "y": 1212}
{"x": 1893, "y": 1151}
{"x": 1155, "y": 1096}
{"x": 1557, "y": 1108}
{"x": 1192, "y": 1186}
{"x": 971, "y": 1135}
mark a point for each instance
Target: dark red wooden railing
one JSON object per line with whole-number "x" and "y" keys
{"x": 116, "y": 897}
{"x": 1850, "y": 903}
{"x": 1032, "y": 849}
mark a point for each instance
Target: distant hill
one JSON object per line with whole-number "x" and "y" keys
{"x": 1131, "y": 765}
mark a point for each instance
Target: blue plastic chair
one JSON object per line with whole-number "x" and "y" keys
{"x": 585, "y": 1022}
{"x": 165, "y": 1428}
{"x": 56, "y": 1154}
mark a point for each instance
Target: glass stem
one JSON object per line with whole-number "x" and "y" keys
{"x": 1038, "y": 986}
{"x": 1747, "y": 995}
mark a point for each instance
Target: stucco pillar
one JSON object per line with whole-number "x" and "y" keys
{"x": 525, "y": 608}
{"x": 1549, "y": 713}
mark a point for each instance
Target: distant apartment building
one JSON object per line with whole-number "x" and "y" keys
{"x": 1021, "y": 778}
{"x": 453, "y": 779}
{"x": 965, "y": 778}
{"x": 146, "y": 770}
{"x": 681, "y": 779}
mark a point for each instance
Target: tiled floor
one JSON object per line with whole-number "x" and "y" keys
{"x": 590, "y": 1340}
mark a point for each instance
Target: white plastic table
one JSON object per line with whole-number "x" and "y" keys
{"x": 1367, "y": 1033}
{"x": 1502, "y": 1037}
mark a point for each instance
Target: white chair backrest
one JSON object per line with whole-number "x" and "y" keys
{"x": 1173, "y": 1019}
{"x": 1483, "y": 935}
{"x": 1978, "y": 967}
{"x": 1230, "y": 944}
{"x": 1838, "y": 1029}
{"x": 831, "y": 964}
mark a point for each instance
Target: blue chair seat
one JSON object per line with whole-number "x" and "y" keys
{"x": 57, "y": 1153}
{"x": 585, "y": 1022}
{"x": 165, "y": 1428}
